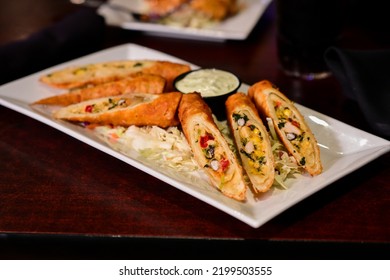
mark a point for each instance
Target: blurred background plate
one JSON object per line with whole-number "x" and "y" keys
{"x": 237, "y": 27}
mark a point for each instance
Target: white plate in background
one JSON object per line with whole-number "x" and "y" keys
{"x": 237, "y": 27}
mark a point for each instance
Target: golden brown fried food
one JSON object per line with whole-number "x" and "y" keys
{"x": 139, "y": 109}
{"x": 252, "y": 141}
{"x": 163, "y": 7}
{"x": 145, "y": 83}
{"x": 210, "y": 149}
{"x": 97, "y": 73}
{"x": 289, "y": 124}
{"x": 215, "y": 9}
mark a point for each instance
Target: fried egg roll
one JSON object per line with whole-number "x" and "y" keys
{"x": 97, "y": 73}
{"x": 210, "y": 148}
{"x": 290, "y": 125}
{"x": 138, "y": 109}
{"x": 252, "y": 141}
{"x": 145, "y": 83}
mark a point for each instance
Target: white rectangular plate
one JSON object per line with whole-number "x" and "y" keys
{"x": 343, "y": 148}
{"x": 237, "y": 27}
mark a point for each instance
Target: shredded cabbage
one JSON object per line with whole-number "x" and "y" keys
{"x": 169, "y": 147}
{"x": 285, "y": 165}
{"x": 185, "y": 16}
{"x": 166, "y": 147}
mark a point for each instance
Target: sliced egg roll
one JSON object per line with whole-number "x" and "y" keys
{"x": 252, "y": 141}
{"x": 210, "y": 148}
{"x": 145, "y": 83}
{"x": 96, "y": 73}
{"x": 138, "y": 109}
{"x": 289, "y": 124}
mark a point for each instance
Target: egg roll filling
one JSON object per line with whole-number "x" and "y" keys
{"x": 112, "y": 103}
{"x": 294, "y": 130}
{"x": 251, "y": 143}
{"x": 96, "y": 70}
{"x": 215, "y": 158}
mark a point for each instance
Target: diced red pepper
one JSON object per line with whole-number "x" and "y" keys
{"x": 88, "y": 108}
{"x": 297, "y": 124}
{"x": 224, "y": 164}
{"x": 204, "y": 139}
{"x": 277, "y": 104}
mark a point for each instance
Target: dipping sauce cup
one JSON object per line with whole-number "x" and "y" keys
{"x": 214, "y": 85}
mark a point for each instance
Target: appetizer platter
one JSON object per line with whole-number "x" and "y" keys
{"x": 196, "y": 19}
{"x": 174, "y": 136}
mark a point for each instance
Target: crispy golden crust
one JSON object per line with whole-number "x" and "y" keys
{"x": 197, "y": 123}
{"x": 198, "y": 107}
{"x": 163, "y": 7}
{"x": 137, "y": 109}
{"x": 252, "y": 141}
{"x": 169, "y": 71}
{"x": 215, "y": 9}
{"x": 97, "y": 73}
{"x": 304, "y": 148}
{"x": 145, "y": 83}
{"x": 239, "y": 101}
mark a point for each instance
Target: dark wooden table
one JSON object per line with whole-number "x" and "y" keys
{"x": 60, "y": 198}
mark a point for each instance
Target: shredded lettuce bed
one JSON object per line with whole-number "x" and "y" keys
{"x": 166, "y": 147}
{"x": 285, "y": 165}
{"x": 169, "y": 147}
{"x": 185, "y": 16}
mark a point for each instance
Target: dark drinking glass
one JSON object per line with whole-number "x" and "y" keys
{"x": 306, "y": 28}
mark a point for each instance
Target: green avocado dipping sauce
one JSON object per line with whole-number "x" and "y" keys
{"x": 208, "y": 82}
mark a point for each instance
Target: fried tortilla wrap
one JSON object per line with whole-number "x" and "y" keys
{"x": 97, "y": 73}
{"x": 289, "y": 124}
{"x": 252, "y": 141}
{"x": 211, "y": 151}
{"x": 145, "y": 83}
{"x": 138, "y": 109}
